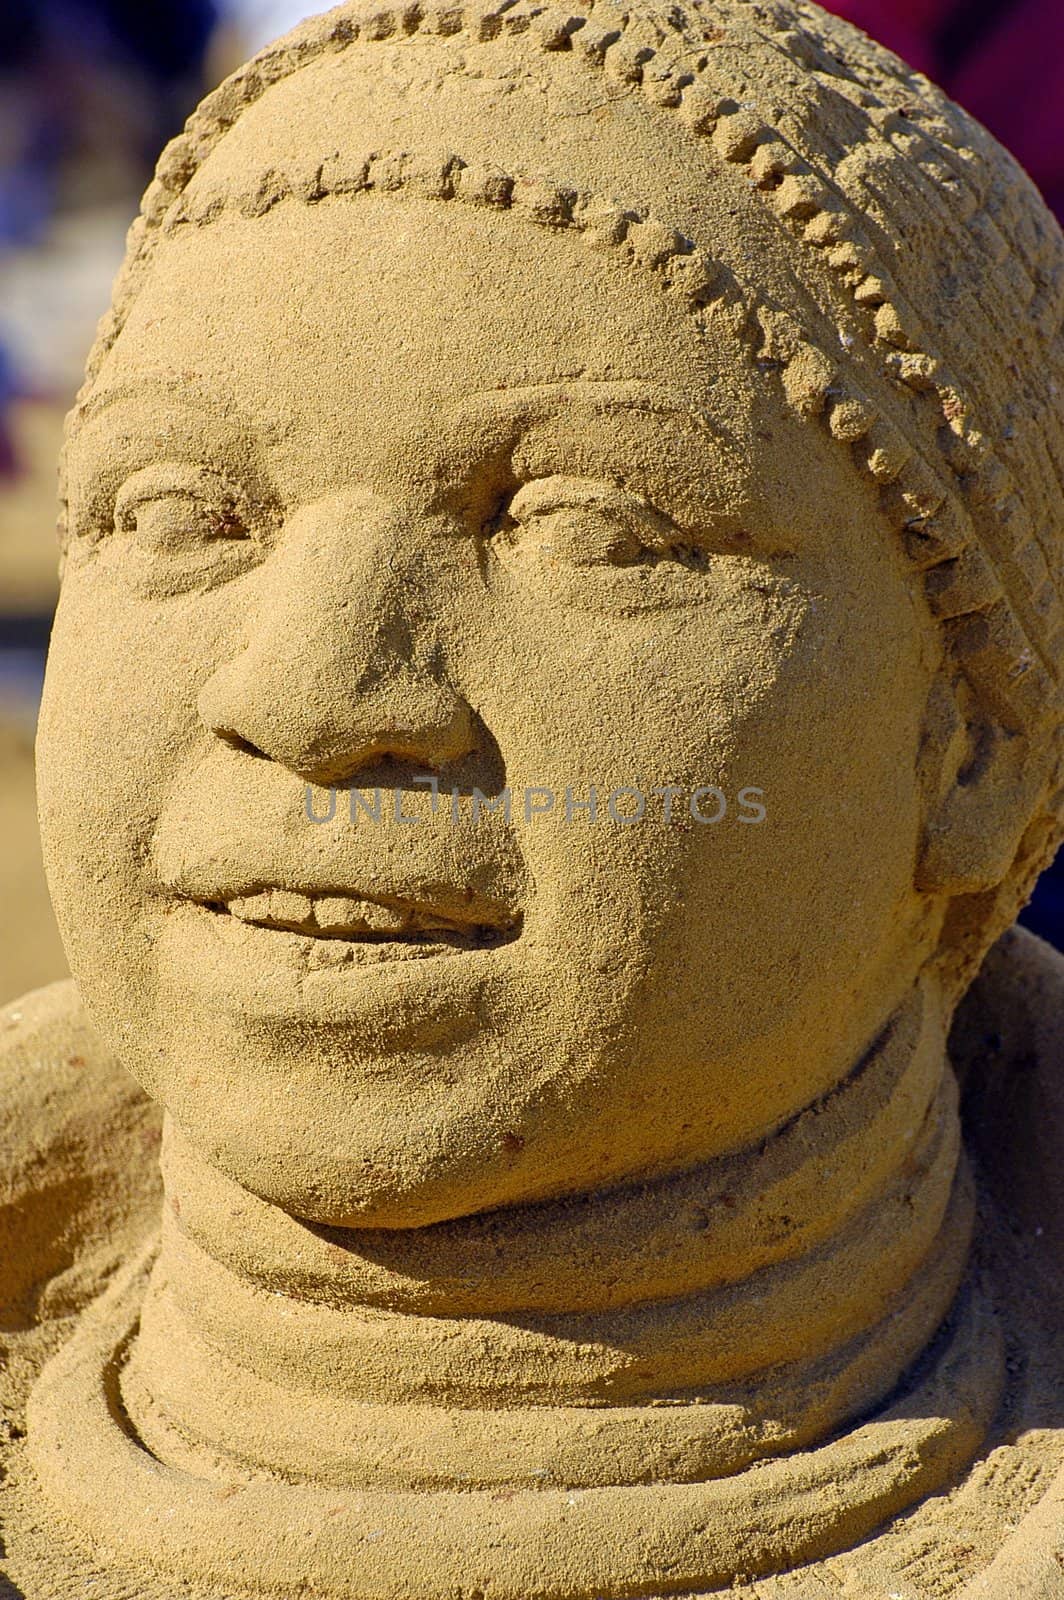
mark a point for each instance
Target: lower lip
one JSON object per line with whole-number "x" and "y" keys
{"x": 319, "y": 952}
{"x": 215, "y": 958}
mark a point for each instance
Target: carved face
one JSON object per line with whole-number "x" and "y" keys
{"x": 431, "y": 493}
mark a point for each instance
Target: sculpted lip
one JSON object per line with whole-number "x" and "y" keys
{"x": 355, "y": 918}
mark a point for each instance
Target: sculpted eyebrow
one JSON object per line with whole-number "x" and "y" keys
{"x": 532, "y": 403}
{"x": 176, "y": 398}
{"x": 502, "y": 422}
{"x": 500, "y": 419}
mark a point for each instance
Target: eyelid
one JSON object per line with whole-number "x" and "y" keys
{"x": 176, "y": 478}
{"x": 541, "y": 496}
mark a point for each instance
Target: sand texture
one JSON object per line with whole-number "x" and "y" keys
{"x": 554, "y": 696}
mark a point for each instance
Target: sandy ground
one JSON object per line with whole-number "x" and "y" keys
{"x": 30, "y": 952}
{"x": 50, "y": 299}
{"x": 28, "y": 553}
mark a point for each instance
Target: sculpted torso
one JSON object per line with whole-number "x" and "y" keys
{"x": 554, "y": 695}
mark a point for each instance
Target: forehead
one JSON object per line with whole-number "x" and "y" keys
{"x": 413, "y": 338}
{"x": 376, "y": 294}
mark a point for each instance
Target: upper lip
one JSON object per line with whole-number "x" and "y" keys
{"x": 235, "y": 831}
{"x": 333, "y": 913}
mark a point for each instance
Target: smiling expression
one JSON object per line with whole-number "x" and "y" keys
{"x": 440, "y": 496}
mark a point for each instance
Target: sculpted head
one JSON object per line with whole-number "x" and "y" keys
{"x": 537, "y": 403}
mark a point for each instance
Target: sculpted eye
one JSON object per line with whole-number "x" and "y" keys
{"x": 586, "y": 522}
{"x": 174, "y": 527}
{"x": 175, "y": 508}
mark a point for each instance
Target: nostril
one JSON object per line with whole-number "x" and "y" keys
{"x": 237, "y": 741}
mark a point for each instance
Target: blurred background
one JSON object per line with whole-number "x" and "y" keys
{"x": 90, "y": 90}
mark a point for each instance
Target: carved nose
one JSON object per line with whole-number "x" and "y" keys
{"x": 326, "y": 739}
{"x": 335, "y": 675}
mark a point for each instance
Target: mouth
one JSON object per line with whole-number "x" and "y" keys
{"x": 394, "y": 924}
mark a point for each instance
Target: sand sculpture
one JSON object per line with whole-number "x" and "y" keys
{"x": 501, "y": 403}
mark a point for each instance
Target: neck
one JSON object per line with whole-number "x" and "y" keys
{"x": 683, "y": 1327}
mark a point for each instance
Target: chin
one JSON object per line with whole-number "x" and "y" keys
{"x": 357, "y": 1154}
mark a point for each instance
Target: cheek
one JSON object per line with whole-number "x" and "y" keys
{"x": 799, "y": 908}
{"x": 676, "y": 700}
{"x": 580, "y": 696}
{"x": 117, "y": 721}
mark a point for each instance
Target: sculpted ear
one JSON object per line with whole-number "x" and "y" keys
{"x": 981, "y": 781}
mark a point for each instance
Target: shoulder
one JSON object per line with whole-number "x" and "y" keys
{"x": 1007, "y": 1044}
{"x": 79, "y": 1180}
{"x": 1022, "y": 982}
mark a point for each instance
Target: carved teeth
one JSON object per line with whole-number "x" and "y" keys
{"x": 342, "y": 914}
{"x": 276, "y": 908}
{"x": 337, "y": 914}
